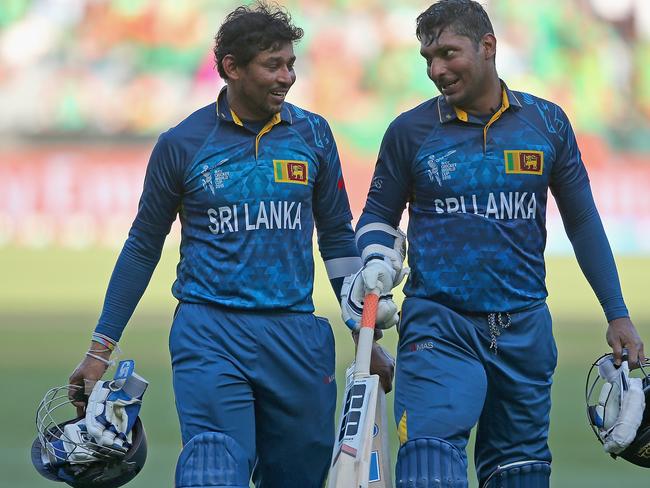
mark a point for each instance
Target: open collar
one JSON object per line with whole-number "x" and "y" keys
{"x": 224, "y": 112}
{"x": 447, "y": 113}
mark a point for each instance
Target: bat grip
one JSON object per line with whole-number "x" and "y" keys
{"x": 366, "y": 334}
{"x": 369, "y": 314}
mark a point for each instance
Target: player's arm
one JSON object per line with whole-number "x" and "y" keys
{"x": 336, "y": 239}
{"x": 140, "y": 254}
{"x": 570, "y": 186}
{"x": 587, "y": 235}
{"x": 340, "y": 254}
{"x": 332, "y": 216}
{"x": 381, "y": 244}
{"x": 340, "y": 269}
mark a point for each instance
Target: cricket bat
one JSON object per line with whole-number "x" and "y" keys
{"x": 361, "y": 458}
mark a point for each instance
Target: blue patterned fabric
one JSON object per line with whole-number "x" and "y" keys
{"x": 477, "y": 203}
{"x": 248, "y": 202}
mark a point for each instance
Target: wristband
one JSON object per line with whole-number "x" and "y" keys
{"x": 104, "y": 340}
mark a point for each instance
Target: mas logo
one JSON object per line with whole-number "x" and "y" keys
{"x": 422, "y": 346}
{"x": 524, "y": 162}
{"x": 287, "y": 171}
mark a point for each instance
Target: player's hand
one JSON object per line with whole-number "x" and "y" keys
{"x": 378, "y": 275}
{"x": 382, "y": 364}
{"x": 89, "y": 371}
{"x": 621, "y": 334}
{"x": 383, "y": 267}
{"x": 352, "y": 295}
{"x": 113, "y": 407}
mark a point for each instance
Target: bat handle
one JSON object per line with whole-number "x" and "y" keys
{"x": 366, "y": 334}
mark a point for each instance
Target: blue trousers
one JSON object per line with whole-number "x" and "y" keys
{"x": 449, "y": 379}
{"x": 264, "y": 379}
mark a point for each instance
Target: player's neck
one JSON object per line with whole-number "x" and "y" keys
{"x": 490, "y": 101}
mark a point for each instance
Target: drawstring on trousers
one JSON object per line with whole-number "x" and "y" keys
{"x": 497, "y": 323}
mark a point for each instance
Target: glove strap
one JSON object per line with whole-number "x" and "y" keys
{"x": 135, "y": 386}
{"x": 377, "y": 226}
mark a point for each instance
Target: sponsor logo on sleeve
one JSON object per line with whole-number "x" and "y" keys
{"x": 524, "y": 162}
{"x": 287, "y": 171}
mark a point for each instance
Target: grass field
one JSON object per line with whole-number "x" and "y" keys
{"x": 50, "y": 300}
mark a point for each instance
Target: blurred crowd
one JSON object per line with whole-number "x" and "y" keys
{"x": 120, "y": 69}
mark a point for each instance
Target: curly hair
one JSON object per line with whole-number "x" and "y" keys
{"x": 464, "y": 17}
{"x": 249, "y": 30}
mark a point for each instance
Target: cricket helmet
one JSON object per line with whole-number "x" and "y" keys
{"x": 608, "y": 413}
{"x": 64, "y": 451}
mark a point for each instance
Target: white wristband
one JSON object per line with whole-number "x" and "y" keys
{"x": 107, "y": 362}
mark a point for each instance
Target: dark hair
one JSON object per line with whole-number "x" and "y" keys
{"x": 464, "y": 17}
{"x": 249, "y": 30}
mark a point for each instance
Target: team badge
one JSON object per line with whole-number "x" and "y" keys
{"x": 287, "y": 171}
{"x": 524, "y": 162}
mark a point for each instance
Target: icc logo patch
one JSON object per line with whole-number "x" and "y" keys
{"x": 524, "y": 162}
{"x": 286, "y": 171}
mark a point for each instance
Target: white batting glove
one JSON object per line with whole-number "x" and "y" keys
{"x": 352, "y": 295}
{"x": 377, "y": 276}
{"x": 70, "y": 447}
{"x": 621, "y": 405}
{"x": 113, "y": 408}
{"x": 384, "y": 266}
{"x": 628, "y": 420}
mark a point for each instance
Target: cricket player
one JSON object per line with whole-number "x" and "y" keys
{"x": 476, "y": 346}
{"x": 250, "y": 175}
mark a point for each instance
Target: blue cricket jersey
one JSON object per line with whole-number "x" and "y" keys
{"x": 248, "y": 200}
{"x": 477, "y": 191}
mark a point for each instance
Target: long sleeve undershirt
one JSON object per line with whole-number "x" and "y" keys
{"x": 587, "y": 235}
{"x": 131, "y": 275}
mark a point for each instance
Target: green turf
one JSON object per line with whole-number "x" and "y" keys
{"x": 50, "y": 299}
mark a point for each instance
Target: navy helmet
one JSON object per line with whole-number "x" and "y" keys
{"x": 64, "y": 451}
{"x": 605, "y": 383}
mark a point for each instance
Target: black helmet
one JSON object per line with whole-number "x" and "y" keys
{"x": 63, "y": 451}
{"x": 605, "y": 382}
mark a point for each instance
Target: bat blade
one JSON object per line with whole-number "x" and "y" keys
{"x": 380, "y": 475}
{"x": 361, "y": 448}
{"x": 352, "y": 453}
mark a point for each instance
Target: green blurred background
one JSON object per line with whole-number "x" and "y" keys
{"x": 51, "y": 301}
{"x": 86, "y": 86}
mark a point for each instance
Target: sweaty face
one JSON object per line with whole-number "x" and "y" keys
{"x": 458, "y": 68}
{"x": 261, "y": 86}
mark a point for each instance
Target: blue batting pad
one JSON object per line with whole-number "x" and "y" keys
{"x": 430, "y": 463}
{"x": 528, "y": 474}
{"x": 212, "y": 460}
